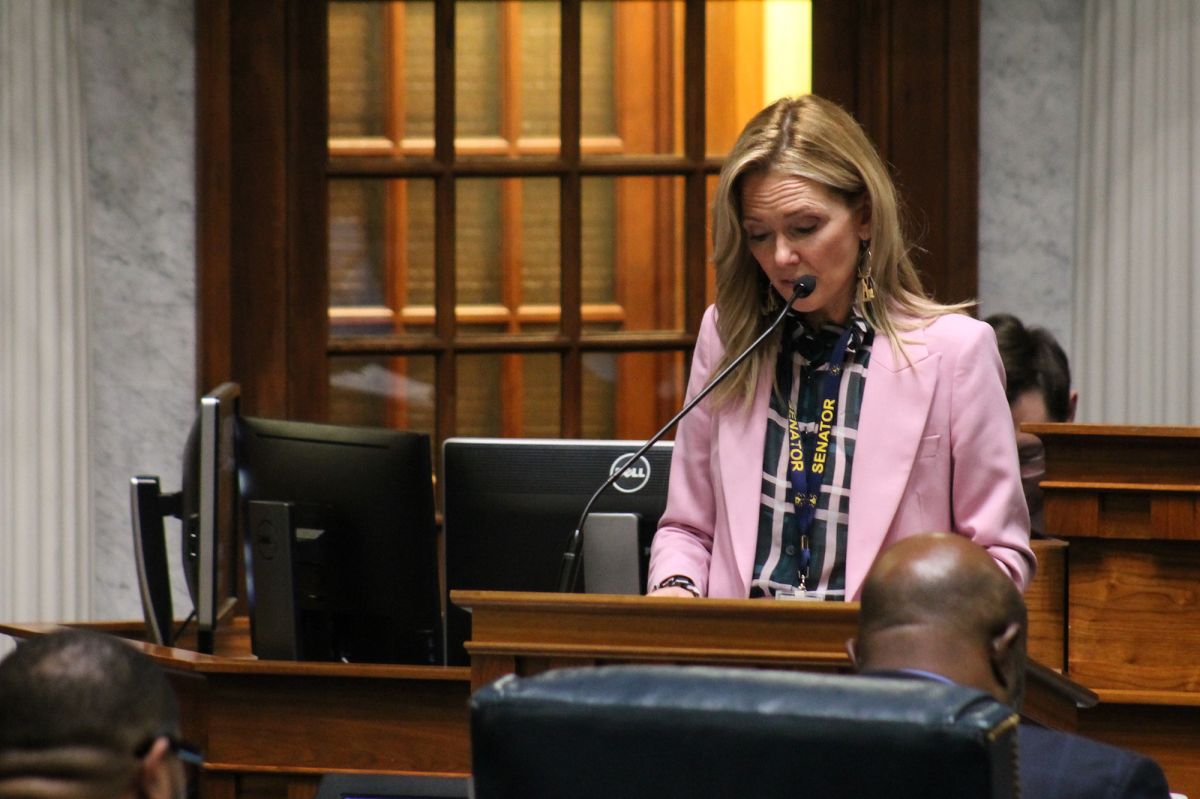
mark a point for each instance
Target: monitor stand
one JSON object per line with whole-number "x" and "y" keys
{"x": 149, "y": 505}
{"x": 289, "y": 601}
{"x": 610, "y": 554}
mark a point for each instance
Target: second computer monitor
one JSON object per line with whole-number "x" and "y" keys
{"x": 511, "y": 505}
{"x": 342, "y": 538}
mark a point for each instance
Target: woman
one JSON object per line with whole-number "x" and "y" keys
{"x": 874, "y": 415}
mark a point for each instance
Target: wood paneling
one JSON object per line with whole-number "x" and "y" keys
{"x": 306, "y": 321}
{"x": 1046, "y": 602}
{"x": 1159, "y": 458}
{"x": 836, "y": 64}
{"x": 570, "y": 235}
{"x": 1125, "y": 498}
{"x": 959, "y": 274}
{"x": 909, "y": 72}
{"x": 339, "y": 724}
{"x": 261, "y": 203}
{"x": 214, "y": 304}
{"x": 1113, "y": 512}
{"x": 1135, "y": 614}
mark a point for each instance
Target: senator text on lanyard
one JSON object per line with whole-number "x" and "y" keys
{"x": 807, "y": 452}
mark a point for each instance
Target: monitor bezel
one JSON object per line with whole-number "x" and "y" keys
{"x": 216, "y": 567}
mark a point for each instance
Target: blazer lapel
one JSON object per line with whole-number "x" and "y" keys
{"x": 895, "y": 406}
{"x": 740, "y": 443}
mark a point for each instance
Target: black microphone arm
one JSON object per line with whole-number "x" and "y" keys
{"x": 568, "y": 574}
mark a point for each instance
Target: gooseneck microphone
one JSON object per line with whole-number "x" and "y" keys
{"x": 568, "y": 574}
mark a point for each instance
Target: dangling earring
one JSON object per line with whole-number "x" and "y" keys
{"x": 866, "y": 283}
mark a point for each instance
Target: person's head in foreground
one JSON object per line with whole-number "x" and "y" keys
{"x": 936, "y": 606}
{"x": 938, "y": 603}
{"x": 83, "y": 715}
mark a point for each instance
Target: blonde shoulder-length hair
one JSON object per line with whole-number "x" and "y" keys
{"x": 815, "y": 139}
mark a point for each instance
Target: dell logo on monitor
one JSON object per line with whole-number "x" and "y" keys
{"x": 633, "y": 478}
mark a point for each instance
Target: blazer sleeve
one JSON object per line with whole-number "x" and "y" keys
{"x": 987, "y": 499}
{"x": 684, "y": 539}
{"x": 1067, "y": 766}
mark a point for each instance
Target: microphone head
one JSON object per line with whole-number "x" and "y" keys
{"x": 806, "y": 285}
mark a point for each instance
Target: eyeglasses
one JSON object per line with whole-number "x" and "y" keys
{"x": 189, "y": 756}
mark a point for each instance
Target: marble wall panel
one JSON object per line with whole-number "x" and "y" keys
{"x": 137, "y": 59}
{"x": 1030, "y": 60}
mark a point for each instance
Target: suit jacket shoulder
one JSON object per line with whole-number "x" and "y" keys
{"x": 951, "y": 332}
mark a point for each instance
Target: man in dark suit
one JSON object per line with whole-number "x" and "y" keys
{"x": 936, "y": 607}
{"x": 86, "y": 716}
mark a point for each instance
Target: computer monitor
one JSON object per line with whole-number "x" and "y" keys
{"x": 341, "y": 542}
{"x": 510, "y": 506}
{"x": 206, "y": 507}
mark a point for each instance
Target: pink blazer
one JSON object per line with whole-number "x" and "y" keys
{"x": 935, "y": 452}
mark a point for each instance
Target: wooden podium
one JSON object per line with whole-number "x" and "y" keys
{"x": 1127, "y": 501}
{"x": 523, "y": 634}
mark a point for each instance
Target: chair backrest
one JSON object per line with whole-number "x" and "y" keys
{"x": 654, "y": 731}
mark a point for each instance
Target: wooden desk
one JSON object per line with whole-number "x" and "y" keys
{"x": 272, "y": 728}
{"x": 1127, "y": 501}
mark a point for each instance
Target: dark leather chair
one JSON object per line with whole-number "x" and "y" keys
{"x": 627, "y": 732}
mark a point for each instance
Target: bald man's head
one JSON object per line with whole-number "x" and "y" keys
{"x": 85, "y": 715}
{"x": 938, "y": 602}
